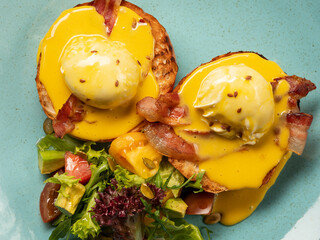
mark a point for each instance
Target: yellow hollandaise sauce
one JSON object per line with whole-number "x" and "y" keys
{"x": 84, "y": 22}
{"x": 237, "y": 205}
{"x": 227, "y": 157}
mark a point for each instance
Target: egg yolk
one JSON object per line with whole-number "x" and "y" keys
{"x": 100, "y": 72}
{"x": 236, "y": 101}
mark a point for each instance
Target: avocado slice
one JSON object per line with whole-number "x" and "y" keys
{"x": 166, "y": 170}
{"x": 175, "y": 207}
{"x": 69, "y": 198}
{"x": 50, "y": 161}
{"x": 51, "y": 152}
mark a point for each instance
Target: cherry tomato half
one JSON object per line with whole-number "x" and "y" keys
{"x": 77, "y": 167}
{"x": 199, "y": 203}
{"x": 48, "y": 210}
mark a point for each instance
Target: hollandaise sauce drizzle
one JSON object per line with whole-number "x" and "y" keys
{"x": 230, "y": 161}
{"x": 237, "y": 205}
{"x": 99, "y": 124}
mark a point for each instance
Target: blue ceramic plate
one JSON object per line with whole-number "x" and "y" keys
{"x": 287, "y": 32}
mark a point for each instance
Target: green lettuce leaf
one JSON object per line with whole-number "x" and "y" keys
{"x": 181, "y": 229}
{"x": 61, "y": 230}
{"x": 87, "y": 226}
{"x": 63, "y": 179}
{"x": 50, "y": 142}
{"x": 93, "y": 156}
{"x": 126, "y": 179}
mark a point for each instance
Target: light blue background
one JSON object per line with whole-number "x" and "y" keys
{"x": 287, "y": 32}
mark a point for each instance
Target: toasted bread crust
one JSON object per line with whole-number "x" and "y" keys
{"x": 188, "y": 168}
{"x": 164, "y": 64}
{"x": 44, "y": 98}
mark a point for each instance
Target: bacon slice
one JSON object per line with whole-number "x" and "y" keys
{"x": 165, "y": 109}
{"x": 299, "y": 88}
{"x": 72, "y": 111}
{"x": 109, "y": 10}
{"x": 163, "y": 138}
{"x": 298, "y": 123}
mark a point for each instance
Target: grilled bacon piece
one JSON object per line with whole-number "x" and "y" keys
{"x": 109, "y": 10}
{"x": 72, "y": 111}
{"x": 163, "y": 138}
{"x": 298, "y": 122}
{"x": 299, "y": 88}
{"x": 165, "y": 109}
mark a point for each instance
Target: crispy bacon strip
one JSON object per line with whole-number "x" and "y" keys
{"x": 109, "y": 10}
{"x": 163, "y": 138}
{"x": 165, "y": 109}
{"x": 298, "y": 123}
{"x": 299, "y": 88}
{"x": 72, "y": 111}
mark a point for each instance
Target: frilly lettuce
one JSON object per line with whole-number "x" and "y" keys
{"x": 63, "y": 179}
{"x": 93, "y": 156}
{"x": 87, "y": 226}
{"x": 126, "y": 179}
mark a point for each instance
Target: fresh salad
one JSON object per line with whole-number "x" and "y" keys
{"x": 89, "y": 195}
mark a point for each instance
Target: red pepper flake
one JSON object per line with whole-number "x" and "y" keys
{"x": 226, "y": 127}
{"x": 277, "y": 98}
{"x": 210, "y": 124}
{"x": 82, "y": 80}
{"x": 94, "y": 51}
{"x": 116, "y": 83}
{"x": 148, "y": 57}
{"x": 134, "y": 23}
{"x": 141, "y": 20}
{"x": 138, "y": 62}
{"x": 239, "y": 110}
{"x": 276, "y": 131}
{"x": 118, "y": 61}
{"x": 88, "y": 99}
{"x": 230, "y": 95}
{"x": 248, "y": 77}
{"x": 235, "y": 94}
{"x": 277, "y": 79}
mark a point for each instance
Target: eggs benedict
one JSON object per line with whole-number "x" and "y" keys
{"x": 96, "y": 62}
{"x": 240, "y": 127}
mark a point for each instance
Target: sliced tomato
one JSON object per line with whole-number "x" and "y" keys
{"x": 77, "y": 167}
{"x": 48, "y": 210}
{"x": 199, "y": 203}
